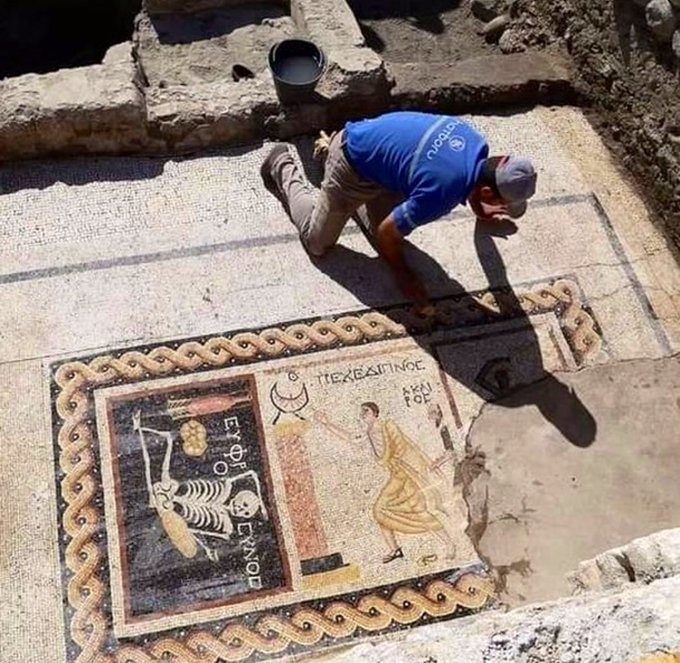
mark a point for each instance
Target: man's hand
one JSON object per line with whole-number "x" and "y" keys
{"x": 487, "y": 206}
{"x": 390, "y": 244}
{"x": 489, "y": 213}
{"x": 411, "y": 287}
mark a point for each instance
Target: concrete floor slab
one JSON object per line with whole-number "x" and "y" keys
{"x": 547, "y": 504}
{"x": 101, "y": 256}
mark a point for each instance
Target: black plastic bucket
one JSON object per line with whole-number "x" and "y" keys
{"x": 297, "y": 66}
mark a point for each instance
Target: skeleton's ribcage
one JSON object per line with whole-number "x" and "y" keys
{"x": 203, "y": 504}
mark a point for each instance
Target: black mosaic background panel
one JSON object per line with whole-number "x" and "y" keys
{"x": 158, "y": 577}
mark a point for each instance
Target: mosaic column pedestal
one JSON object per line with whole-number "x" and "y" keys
{"x": 319, "y": 566}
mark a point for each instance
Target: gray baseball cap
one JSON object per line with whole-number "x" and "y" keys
{"x": 516, "y": 182}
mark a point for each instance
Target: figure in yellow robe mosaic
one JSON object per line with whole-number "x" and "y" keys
{"x": 410, "y": 502}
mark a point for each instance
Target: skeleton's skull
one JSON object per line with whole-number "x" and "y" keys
{"x": 245, "y": 504}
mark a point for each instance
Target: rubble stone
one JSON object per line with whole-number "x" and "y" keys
{"x": 675, "y": 45}
{"x": 660, "y": 19}
{"x": 511, "y": 41}
{"x": 493, "y": 30}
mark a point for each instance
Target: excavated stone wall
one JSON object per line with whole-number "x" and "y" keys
{"x": 162, "y": 93}
{"x": 627, "y": 53}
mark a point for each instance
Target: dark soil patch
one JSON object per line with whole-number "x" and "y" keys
{"x": 421, "y": 30}
{"x": 39, "y": 36}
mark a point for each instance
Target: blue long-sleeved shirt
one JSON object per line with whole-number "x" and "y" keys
{"x": 433, "y": 160}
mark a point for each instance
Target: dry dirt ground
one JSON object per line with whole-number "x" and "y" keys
{"x": 408, "y": 31}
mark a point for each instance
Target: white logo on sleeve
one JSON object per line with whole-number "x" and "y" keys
{"x": 457, "y": 143}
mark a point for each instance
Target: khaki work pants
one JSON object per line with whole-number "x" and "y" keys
{"x": 321, "y": 220}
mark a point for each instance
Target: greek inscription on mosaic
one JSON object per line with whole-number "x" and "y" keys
{"x": 417, "y": 394}
{"x": 379, "y": 369}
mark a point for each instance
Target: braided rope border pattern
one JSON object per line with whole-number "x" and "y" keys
{"x": 81, "y": 519}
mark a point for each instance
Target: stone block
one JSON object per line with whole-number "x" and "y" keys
{"x": 88, "y": 109}
{"x": 501, "y": 80}
{"x": 120, "y": 55}
{"x": 329, "y": 23}
{"x": 494, "y": 29}
{"x": 655, "y": 556}
{"x": 192, "y": 117}
{"x": 643, "y": 560}
{"x": 355, "y": 71}
{"x": 587, "y": 578}
{"x": 605, "y": 571}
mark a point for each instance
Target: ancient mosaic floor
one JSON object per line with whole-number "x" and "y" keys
{"x": 218, "y": 451}
{"x": 305, "y": 473}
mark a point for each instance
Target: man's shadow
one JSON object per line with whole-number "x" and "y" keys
{"x": 499, "y": 383}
